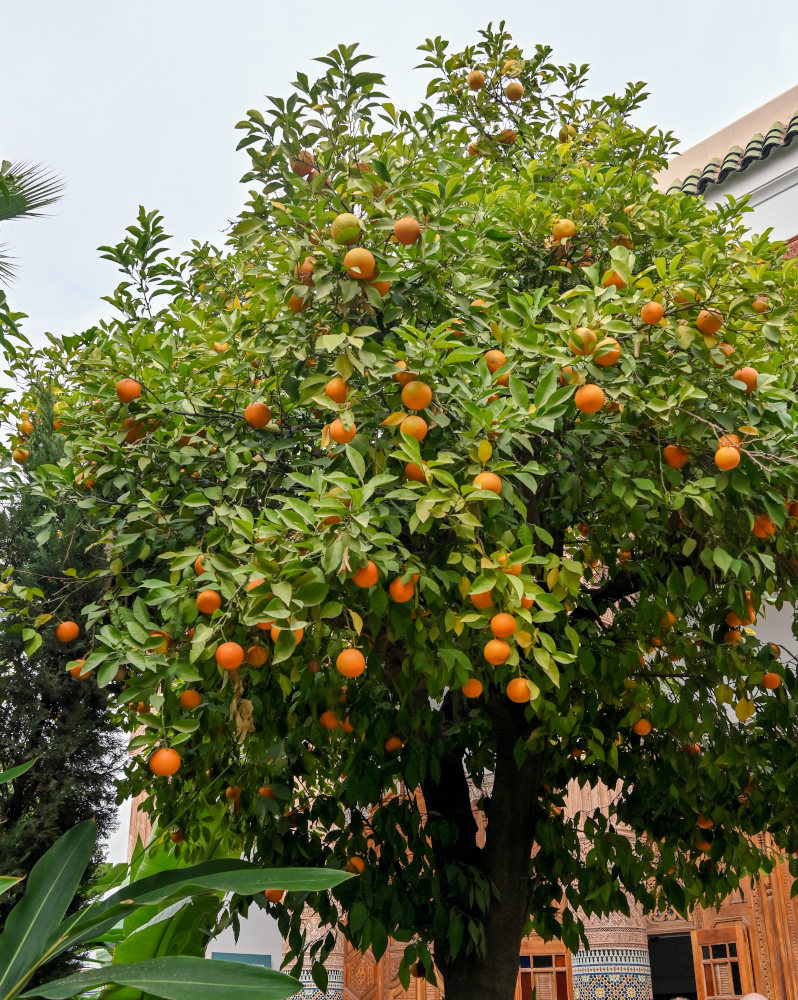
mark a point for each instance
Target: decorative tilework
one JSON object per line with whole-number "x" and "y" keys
{"x": 611, "y": 974}
{"x": 310, "y": 991}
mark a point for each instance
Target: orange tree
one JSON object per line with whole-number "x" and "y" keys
{"x": 460, "y": 474}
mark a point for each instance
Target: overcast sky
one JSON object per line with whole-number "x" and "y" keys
{"x": 135, "y": 103}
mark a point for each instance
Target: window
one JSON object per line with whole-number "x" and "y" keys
{"x": 546, "y": 974}
{"x": 721, "y": 971}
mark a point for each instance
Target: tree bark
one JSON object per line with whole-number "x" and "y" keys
{"x": 505, "y": 860}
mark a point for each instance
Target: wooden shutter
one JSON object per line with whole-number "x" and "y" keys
{"x": 722, "y": 963}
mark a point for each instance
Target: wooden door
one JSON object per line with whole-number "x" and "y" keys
{"x": 722, "y": 962}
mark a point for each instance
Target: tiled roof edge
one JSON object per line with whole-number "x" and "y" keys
{"x": 759, "y": 147}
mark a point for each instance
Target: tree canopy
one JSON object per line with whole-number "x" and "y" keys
{"x": 461, "y": 472}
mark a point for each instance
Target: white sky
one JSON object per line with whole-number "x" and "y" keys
{"x": 135, "y": 103}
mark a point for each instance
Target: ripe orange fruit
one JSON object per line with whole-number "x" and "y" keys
{"x": 503, "y": 625}
{"x": 303, "y": 272}
{"x": 401, "y": 592}
{"x": 79, "y": 670}
{"x": 567, "y": 376}
{"x": 763, "y": 526}
{"x": 488, "y": 481}
{"x": 733, "y": 637}
{"x": 482, "y": 600}
{"x": 256, "y": 655}
{"x": 356, "y": 865}
{"x": 472, "y": 688}
{"x": 340, "y": 434}
{"x": 366, "y": 576}
{"x": 652, "y": 312}
{"x": 407, "y": 230}
{"x": 514, "y": 91}
{"x": 607, "y": 352}
{"x": 748, "y": 376}
{"x": 128, "y": 389}
{"x": 527, "y": 602}
{"x": 359, "y": 263}
{"x": 589, "y": 398}
{"x": 176, "y": 837}
{"x": 265, "y": 792}
{"x": 67, "y": 631}
{"x": 296, "y": 304}
{"x": 727, "y": 350}
{"x": 496, "y": 651}
{"x": 257, "y": 414}
{"x": 165, "y": 762}
{"x": 329, "y": 720}
{"x": 563, "y": 229}
{"x": 275, "y": 631}
{"x": 475, "y": 79}
{"x": 392, "y": 744}
{"x": 518, "y": 691}
{"x": 25, "y": 427}
{"x": 302, "y": 163}
{"x": 675, "y": 456}
{"x": 190, "y": 699}
{"x": 403, "y": 376}
{"x": 728, "y": 441}
{"x": 727, "y": 458}
{"x": 274, "y": 895}
{"x": 507, "y": 136}
{"x": 415, "y": 473}
{"x": 668, "y": 619}
{"x": 232, "y": 793}
{"x": 208, "y": 601}
{"x": 613, "y": 278}
{"x": 345, "y": 229}
{"x": 642, "y": 727}
{"x": 20, "y": 455}
{"x": 415, "y": 426}
{"x": 229, "y": 655}
{"x": 760, "y": 304}
{"x": 582, "y": 341}
{"x": 709, "y": 321}
{"x": 514, "y": 569}
{"x": 771, "y": 681}
{"x": 382, "y": 287}
{"x": 350, "y": 662}
{"x": 336, "y": 389}
{"x": 494, "y": 360}
{"x": 733, "y": 620}
{"x": 704, "y": 822}
{"x": 416, "y": 395}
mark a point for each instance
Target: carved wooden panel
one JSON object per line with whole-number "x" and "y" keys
{"x": 361, "y": 978}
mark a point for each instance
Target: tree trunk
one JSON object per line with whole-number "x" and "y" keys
{"x": 505, "y": 860}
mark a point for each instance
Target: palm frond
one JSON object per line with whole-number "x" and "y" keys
{"x": 7, "y": 269}
{"x": 27, "y": 188}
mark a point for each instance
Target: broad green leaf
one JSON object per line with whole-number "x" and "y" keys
{"x": 179, "y": 978}
{"x": 7, "y": 881}
{"x": 15, "y": 772}
{"x": 32, "y": 926}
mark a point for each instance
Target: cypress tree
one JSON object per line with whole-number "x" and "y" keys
{"x": 45, "y": 712}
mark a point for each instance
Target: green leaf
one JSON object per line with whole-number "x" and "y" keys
{"x": 312, "y": 593}
{"x": 356, "y": 461}
{"x": 32, "y": 640}
{"x": 179, "y": 978}
{"x": 722, "y": 559}
{"x": 7, "y": 881}
{"x": 32, "y": 926}
{"x": 15, "y": 772}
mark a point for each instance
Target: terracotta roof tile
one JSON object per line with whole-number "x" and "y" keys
{"x": 758, "y": 147}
